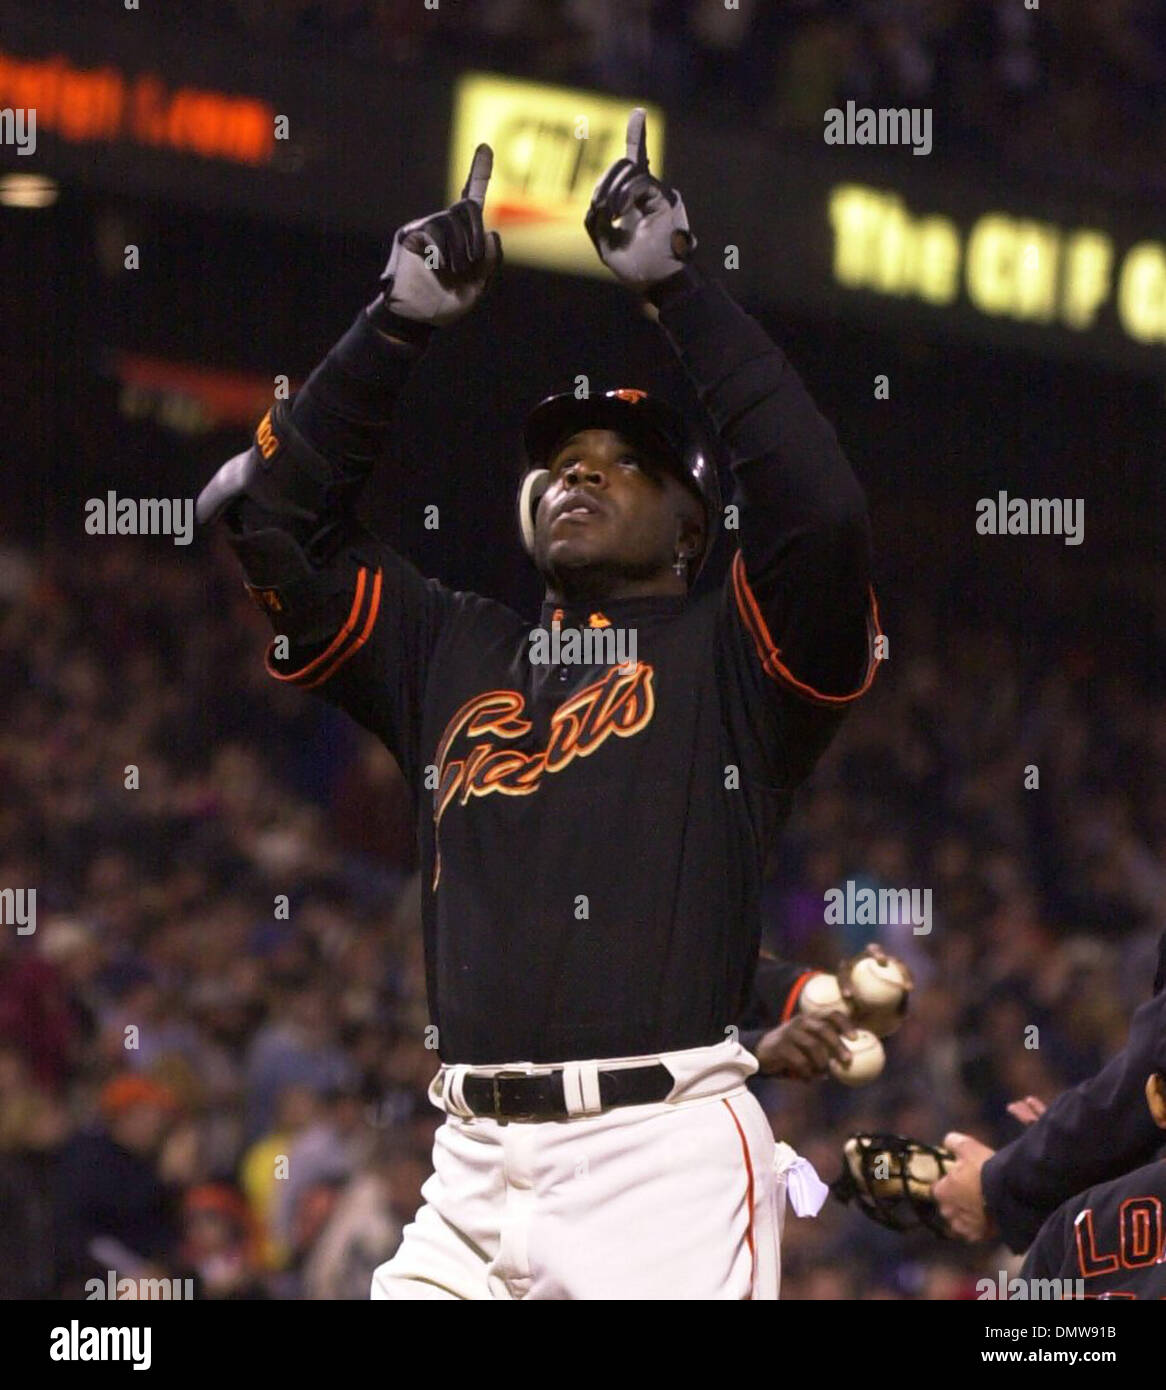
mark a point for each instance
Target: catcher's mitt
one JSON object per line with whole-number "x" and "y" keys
{"x": 890, "y": 1178}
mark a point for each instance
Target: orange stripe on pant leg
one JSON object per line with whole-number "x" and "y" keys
{"x": 749, "y": 1175}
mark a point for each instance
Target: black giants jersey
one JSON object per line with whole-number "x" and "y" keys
{"x": 594, "y": 822}
{"x": 1112, "y": 1238}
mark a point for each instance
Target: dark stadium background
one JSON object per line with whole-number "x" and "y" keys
{"x": 155, "y": 906}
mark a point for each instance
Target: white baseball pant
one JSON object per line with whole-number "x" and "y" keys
{"x": 683, "y": 1199}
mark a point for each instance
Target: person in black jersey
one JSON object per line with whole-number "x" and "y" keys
{"x": 1112, "y": 1237}
{"x": 592, "y": 829}
{"x": 1092, "y": 1133}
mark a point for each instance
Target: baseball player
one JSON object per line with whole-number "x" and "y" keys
{"x": 592, "y": 831}
{"x": 1093, "y": 1132}
{"x": 1112, "y": 1237}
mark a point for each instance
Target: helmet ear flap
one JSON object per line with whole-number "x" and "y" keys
{"x": 530, "y": 494}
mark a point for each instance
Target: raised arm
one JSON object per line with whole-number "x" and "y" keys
{"x": 288, "y": 499}
{"x": 354, "y": 620}
{"x": 804, "y": 613}
{"x": 801, "y": 576}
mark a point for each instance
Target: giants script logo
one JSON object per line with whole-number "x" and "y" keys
{"x": 621, "y": 703}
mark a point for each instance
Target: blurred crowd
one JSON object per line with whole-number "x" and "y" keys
{"x": 213, "y": 1057}
{"x": 1076, "y": 88}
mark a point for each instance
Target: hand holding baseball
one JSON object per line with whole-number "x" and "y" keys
{"x": 870, "y": 1018}
{"x": 806, "y": 1047}
{"x": 875, "y": 988}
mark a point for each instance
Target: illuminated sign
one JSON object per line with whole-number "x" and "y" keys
{"x": 86, "y": 104}
{"x": 189, "y": 397}
{"x": 551, "y": 145}
{"x": 1008, "y": 267}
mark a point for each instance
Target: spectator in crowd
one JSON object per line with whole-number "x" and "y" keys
{"x": 265, "y": 1166}
{"x": 114, "y": 1207}
{"x": 296, "y": 1047}
{"x": 220, "y": 1243}
{"x": 328, "y": 1150}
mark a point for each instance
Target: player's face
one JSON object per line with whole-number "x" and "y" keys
{"x": 611, "y": 508}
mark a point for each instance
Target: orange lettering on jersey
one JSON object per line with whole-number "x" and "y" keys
{"x": 266, "y": 437}
{"x": 1089, "y": 1262}
{"x": 622, "y": 703}
{"x": 495, "y": 711}
{"x": 1140, "y": 1223}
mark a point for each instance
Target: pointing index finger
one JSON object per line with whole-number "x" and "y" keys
{"x": 479, "y": 178}
{"x": 637, "y": 137}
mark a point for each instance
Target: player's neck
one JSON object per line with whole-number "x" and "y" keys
{"x": 578, "y": 595}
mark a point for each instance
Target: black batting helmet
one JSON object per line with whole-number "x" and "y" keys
{"x": 656, "y": 426}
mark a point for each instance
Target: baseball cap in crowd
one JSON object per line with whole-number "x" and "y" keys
{"x": 123, "y": 1092}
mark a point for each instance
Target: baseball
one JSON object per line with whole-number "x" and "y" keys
{"x": 867, "y": 1060}
{"x": 821, "y": 995}
{"x": 877, "y": 985}
{"x": 923, "y": 1172}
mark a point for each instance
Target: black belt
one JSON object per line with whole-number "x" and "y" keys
{"x": 516, "y": 1095}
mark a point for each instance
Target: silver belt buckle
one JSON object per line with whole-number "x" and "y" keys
{"x": 508, "y": 1072}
